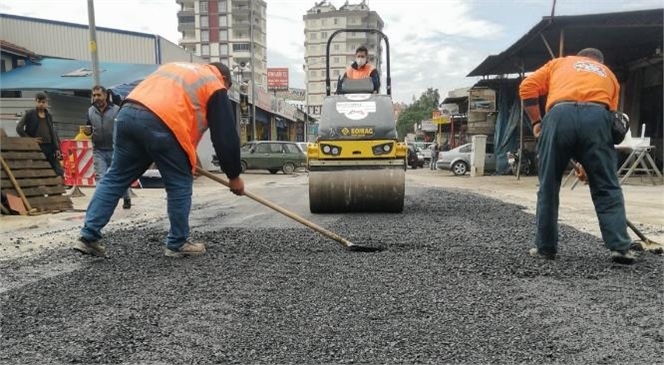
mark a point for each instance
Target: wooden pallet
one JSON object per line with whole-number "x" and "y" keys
{"x": 38, "y": 184}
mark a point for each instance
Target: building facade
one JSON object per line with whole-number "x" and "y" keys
{"x": 220, "y": 31}
{"x": 51, "y": 38}
{"x": 319, "y": 24}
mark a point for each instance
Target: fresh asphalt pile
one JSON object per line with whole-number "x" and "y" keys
{"x": 455, "y": 285}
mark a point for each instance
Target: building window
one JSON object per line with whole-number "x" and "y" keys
{"x": 223, "y": 6}
{"x": 336, "y": 59}
{"x": 323, "y": 22}
{"x": 240, "y": 47}
{"x": 336, "y": 47}
{"x": 323, "y": 36}
{"x": 203, "y": 6}
{"x": 336, "y": 21}
{"x": 205, "y": 50}
{"x": 223, "y": 21}
{"x": 312, "y": 35}
{"x": 204, "y": 22}
{"x": 223, "y": 35}
{"x": 205, "y": 35}
{"x": 223, "y": 49}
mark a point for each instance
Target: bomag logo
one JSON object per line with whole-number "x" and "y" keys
{"x": 366, "y": 131}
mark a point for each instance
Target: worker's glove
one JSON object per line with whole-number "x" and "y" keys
{"x": 580, "y": 172}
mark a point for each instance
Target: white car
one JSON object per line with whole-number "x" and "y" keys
{"x": 457, "y": 160}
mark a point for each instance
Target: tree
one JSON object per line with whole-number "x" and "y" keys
{"x": 418, "y": 111}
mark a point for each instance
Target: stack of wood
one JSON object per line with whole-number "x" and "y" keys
{"x": 29, "y": 185}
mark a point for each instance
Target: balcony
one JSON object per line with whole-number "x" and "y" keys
{"x": 186, "y": 12}
{"x": 240, "y": 24}
{"x": 240, "y": 9}
{"x": 188, "y": 40}
{"x": 186, "y": 26}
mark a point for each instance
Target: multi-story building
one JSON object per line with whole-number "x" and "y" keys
{"x": 319, "y": 23}
{"x": 220, "y": 31}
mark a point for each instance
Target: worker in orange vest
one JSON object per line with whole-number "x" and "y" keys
{"x": 161, "y": 121}
{"x": 361, "y": 69}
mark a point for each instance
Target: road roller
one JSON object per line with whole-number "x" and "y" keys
{"x": 357, "y": 163}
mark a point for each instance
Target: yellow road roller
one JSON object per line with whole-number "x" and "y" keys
{"x": 357, "y": 164}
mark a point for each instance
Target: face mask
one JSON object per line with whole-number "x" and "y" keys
{"x": 361, "y": 61}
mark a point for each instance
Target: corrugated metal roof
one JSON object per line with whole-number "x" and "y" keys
{"x": 51, "y": 74}
{"x": 75, "y": 25}
{"x": 623, "y": 37}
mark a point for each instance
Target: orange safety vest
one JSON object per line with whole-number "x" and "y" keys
{"x": 178, "y": 94}
{"x": 363, "y": 72}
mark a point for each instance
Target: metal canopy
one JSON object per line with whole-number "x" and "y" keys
{"x": 623, "y": 38}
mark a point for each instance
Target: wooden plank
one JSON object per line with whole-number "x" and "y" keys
{"x": 19, "y": 174}
{"x": 23, "y": 156}
{"x": 8, "y": 173}
{"x": 39, "y": 191}
{"x": 26, "y": 183}
{"x": 51, "y": 202}
{"x": 19, "y": 144}
{"x": 16, "y": 204}
{"x": 27, "y": 164}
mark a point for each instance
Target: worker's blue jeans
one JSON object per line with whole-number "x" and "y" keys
{"x": 581, "y": 131}
{"x": 102, "y": 161}
{"x": 141, "y": 138}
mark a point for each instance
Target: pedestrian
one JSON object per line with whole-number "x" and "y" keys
{"x": 161, "y": 121}
{"x": 101, "y": 118}
{"x": 582, "y": 94}
{"x": 434, "y": 155}
{"x": 37, "y": 123}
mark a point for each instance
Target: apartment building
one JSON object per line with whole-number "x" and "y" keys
{"x": 319, "y": 23}
{"x": 220, "y": 31}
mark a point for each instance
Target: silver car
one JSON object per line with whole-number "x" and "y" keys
{"x": 458, "y": 160}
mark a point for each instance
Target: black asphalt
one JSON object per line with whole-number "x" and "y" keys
{"x": 455, "y": 285}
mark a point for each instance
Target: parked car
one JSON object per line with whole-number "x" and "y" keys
{"x": 457, "y": 160}
{"x": 415, "y": 158}
{"x": 303, "y": 147}
{"x": 271, "y": 155}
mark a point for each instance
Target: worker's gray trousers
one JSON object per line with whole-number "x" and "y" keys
{"x": 581, "y": 131}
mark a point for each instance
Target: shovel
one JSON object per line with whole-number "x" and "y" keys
{"x": 344, "y": 242}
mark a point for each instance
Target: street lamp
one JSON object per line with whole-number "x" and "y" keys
{"x": 244, "y": 89}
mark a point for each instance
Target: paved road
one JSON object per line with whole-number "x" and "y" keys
{"x": 455, "y": 285}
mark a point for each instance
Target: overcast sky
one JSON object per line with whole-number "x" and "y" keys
{"x": 435, "y": 43}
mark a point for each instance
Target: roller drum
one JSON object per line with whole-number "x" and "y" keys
{"x": 357, "y": 190}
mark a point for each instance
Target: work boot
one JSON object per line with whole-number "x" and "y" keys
{"x": 625, "y": 257}
{"x": 126, "y": 204}
{"x": 89, "y": 248}
{"x": 535, "y": 253}
{"x": 189, "y": 249}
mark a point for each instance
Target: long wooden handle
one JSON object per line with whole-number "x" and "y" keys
{"x": 17, "y": 187}
{"x": 281, "y": 210}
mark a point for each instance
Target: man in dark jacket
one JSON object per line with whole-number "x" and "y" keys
{"x": 38, "y": 124}
{"x": 101, "y": 118}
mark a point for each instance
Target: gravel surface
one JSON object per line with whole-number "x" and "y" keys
{"x": 455, "y": 285}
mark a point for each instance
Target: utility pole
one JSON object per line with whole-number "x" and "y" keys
{"x": 93, "y": 42}
{"x": 253, "y": 68}
{"x": 306, "y": 99}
